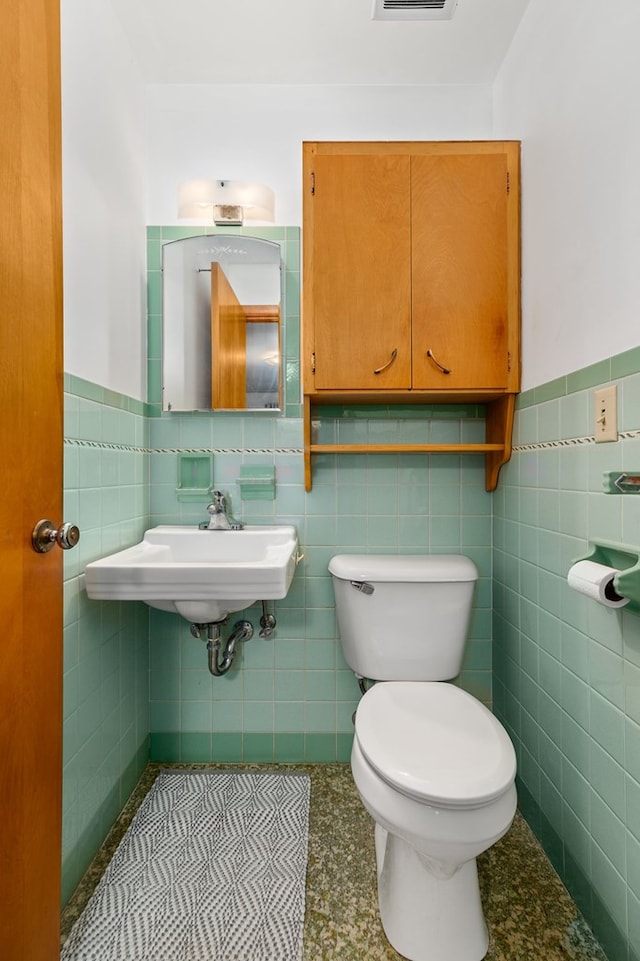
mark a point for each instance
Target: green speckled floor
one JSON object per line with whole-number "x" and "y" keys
{"x": 529, "y": 912}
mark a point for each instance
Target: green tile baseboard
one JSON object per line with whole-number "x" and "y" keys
{"x": 236, "y": 747}
{"x": 76, "y": 861}
{"x": 585, "y": 896}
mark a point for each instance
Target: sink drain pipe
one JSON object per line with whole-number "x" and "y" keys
{"x": 241, "y": 631}
{"x": 267, "y": 622}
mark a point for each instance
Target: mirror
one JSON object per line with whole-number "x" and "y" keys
{"x": 221, "y": 324}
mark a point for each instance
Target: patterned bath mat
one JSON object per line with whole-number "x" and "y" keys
{"x": 212, "y": 868}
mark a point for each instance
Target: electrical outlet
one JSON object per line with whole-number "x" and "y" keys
{"x": 606, "y": 414}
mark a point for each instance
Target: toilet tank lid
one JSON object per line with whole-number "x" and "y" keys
{"x": 426, "y": 568}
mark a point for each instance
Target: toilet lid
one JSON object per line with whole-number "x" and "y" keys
{"x": 434, "y": 742}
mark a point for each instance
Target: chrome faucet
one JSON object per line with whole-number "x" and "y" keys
{"x": 220, "y": 518}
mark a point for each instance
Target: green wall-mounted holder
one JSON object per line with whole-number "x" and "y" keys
{"x": 627, "y": 560}
{"x": 621, "y": 482}
{"x": 195, "y": 473}
{"x": 257, "y": 483}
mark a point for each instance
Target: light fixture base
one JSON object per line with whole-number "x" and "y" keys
{"x": 228, "y": 215}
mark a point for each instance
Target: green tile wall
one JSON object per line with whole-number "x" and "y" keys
{"x": 566, "y": 673}
{"x": 105, "y": 738}
{"x": 567, "y": 670}
{"x": 292, "y": 697}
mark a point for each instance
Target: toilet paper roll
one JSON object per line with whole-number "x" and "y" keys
{"x": 596, "y": 581}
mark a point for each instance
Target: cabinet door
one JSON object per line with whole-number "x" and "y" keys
{"x": 459, "y": 259}
{"x": 360, "y": 272}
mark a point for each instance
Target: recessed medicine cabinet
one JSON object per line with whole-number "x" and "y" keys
{"x": 221, "y": 324}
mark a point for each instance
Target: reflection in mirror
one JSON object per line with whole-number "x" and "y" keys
{"x": 221, "y": 317}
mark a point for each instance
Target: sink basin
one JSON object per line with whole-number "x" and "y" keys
{"x": 203, "y": 575}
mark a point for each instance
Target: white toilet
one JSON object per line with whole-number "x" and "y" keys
{"x": 433, "y": 766}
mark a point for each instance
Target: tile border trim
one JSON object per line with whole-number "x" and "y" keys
{"x": 105, "y": 445}
{"x": 226, "y": 450}
{"x": 570, "y": 442}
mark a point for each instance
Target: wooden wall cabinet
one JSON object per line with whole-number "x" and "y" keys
{"x": 411, "y": 282}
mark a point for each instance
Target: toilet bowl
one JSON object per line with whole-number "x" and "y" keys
{"x": 433, "y": 766}
{"x": 436, "y": 772}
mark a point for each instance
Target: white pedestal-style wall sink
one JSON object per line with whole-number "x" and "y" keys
{"x": 201, "y": 574}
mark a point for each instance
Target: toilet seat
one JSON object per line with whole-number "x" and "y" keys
{"x": 435, "y": 743}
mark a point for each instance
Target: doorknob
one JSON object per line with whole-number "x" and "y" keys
{"x": 45, "y": 535}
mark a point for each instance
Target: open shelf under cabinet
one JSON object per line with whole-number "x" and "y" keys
{"x": 496, "y": 448}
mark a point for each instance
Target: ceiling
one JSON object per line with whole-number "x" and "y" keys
{"x": 314, "y": 42}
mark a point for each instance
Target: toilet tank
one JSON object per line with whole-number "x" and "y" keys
{"x": 403, "y": 616}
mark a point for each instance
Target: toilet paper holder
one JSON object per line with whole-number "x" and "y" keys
{"x": 626, "y": 559}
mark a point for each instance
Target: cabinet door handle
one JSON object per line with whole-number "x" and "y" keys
{"x": 394, "y": 354}
{"x": 445, "y": 370}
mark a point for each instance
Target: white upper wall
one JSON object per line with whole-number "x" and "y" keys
{"x": 315, "y": 42}
{"x": 113, "y": 122}
{"x": 103, "y": 201}
{"x": 569, "y": 90}
{"x": 247, "y": 132}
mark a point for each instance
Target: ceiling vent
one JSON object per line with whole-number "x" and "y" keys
{"x": 413, "y": 9}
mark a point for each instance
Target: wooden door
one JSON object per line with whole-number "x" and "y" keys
{"x": 31, "y": 444}
{"x": 459, "y": 268}
{"x": 357, "y": 272}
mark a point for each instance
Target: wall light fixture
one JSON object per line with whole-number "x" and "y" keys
{"x": 227, "y": 202}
